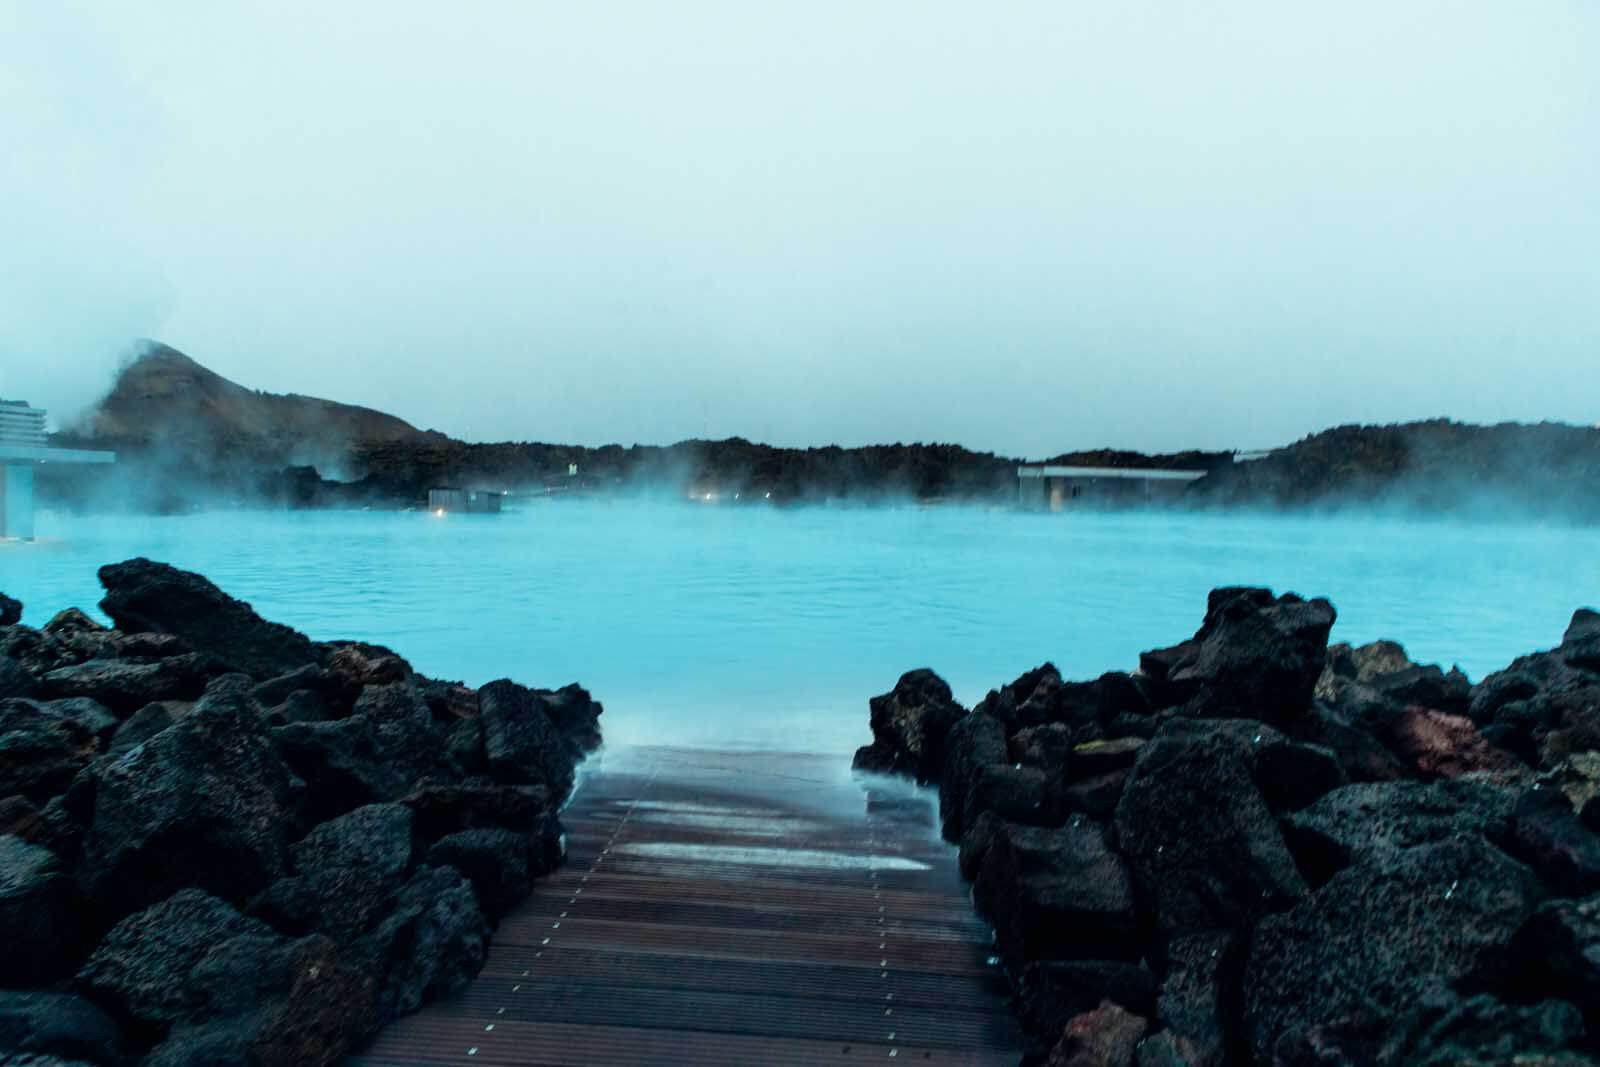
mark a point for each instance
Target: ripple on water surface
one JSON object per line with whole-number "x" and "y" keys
{"x": 765, "y": 628}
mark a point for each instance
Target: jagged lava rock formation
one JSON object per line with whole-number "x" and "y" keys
{"x": 222, "y": 842}
{"x": 1257, "y": 849}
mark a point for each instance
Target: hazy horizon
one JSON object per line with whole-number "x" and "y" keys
{"x": 1068, "y": 227}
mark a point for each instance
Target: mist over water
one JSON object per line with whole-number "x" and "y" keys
{"x": 764, "y": 628}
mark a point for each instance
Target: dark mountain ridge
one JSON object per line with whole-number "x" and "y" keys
{"x": 1513, "y": 470}
{"x": 164, "y": 401}
{"x": 188, "y": 437}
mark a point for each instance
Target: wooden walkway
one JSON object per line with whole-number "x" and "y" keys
{"x": 731, "y": 908}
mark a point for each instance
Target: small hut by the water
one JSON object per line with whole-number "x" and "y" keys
{"x": 469, "y": 501}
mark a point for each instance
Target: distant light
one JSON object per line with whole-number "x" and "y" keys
{"x": 769, "y": 496}
{"x": 439, "y": 514}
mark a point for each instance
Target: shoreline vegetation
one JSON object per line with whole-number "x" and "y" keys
{"x": 222, "y": 842}
{"x": 187, "y": 438}
{"x": 1257, "y": 848}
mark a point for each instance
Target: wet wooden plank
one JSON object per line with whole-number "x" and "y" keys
{"x": 731, "y": 908}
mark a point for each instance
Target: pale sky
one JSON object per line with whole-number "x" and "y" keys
{"x": 1025, "y": 227}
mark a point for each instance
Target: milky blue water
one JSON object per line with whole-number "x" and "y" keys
{"x": 756, "y": 627}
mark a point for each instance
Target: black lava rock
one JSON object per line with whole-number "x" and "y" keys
{"x": 125, "y": 686}
{"x": 377, "y": 753}
{"x": 141, "y": 726}
{"x": 498, "y": 863}
{"x": 975, "y": 743}
{"x": 1366, "y": 820}
{"x": 206, "y": 803}
{"x": 1580, "y": 646}
{"x": 16, "y": 680}
{"x": 1198, "y": 1002}
{"x": 64, "y": 1025}
{"x": 216, "y": 987}
{"x": 251, "y": 840}
{"x": 429, "y": 945}
{"x": 1372, "y": 938}
{"x": 40, "y": 750}
{"x": 1254, "y": 657}
{"x": 1052, "y": 992}
{"x": 39, "y": 939}
{"x": 1549, "y": 837}
{"x": 576, "y": 715}
{"x": 443, "y": 808}
{"x": 145, "y": 596}
{"x": 153, "y": 968}
{"x": 521, "y": 744}
{"x": 909, "y": 726}
{"x": 1056, "y": 894}
{"x": 345, "y": 874}
{"x": 1204, "y": 847}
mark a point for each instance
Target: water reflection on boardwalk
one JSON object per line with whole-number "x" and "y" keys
{"x": 731, "y": 908}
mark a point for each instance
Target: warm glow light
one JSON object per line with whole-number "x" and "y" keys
{"x": 439, "y": 514}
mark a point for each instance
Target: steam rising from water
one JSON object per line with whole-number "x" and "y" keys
{"x": 764, "y": 628}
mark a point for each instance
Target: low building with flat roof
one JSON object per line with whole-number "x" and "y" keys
{"x": 1058, "y": 488}
{"x": 24, "y": 447}
{"x": 470, "y": 501}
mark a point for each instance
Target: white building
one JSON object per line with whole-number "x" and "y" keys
{"x": 23, "y": 448}
{"x": 1060, "y": 487}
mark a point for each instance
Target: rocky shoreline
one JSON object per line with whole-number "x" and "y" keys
{"x": 1259, "y": 849}
{"x": 222, "y": 842}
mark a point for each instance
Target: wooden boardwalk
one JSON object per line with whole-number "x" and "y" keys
{"x": 730, "y": 908}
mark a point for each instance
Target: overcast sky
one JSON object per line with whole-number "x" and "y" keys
{"x": 1021, "y": 226}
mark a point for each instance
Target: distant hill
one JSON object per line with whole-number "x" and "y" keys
{"x": 1438, "y": 466}
{"x": 187, "y": 437}
{"x": 728, "y": 469}
{"x": 1191, "y": 460}
{"x": 163, "y": 400}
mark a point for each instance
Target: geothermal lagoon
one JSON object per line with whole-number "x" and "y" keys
{"x": 755, "y": 627}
